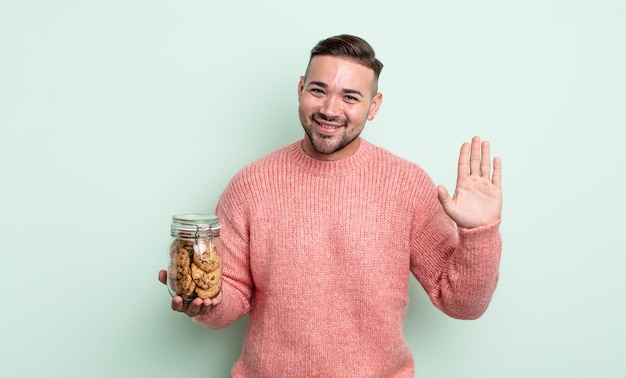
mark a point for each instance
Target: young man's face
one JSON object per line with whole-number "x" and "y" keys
{"x": 335, "y": 100}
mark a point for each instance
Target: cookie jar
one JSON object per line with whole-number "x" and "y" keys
{"x": 195, "y": 267}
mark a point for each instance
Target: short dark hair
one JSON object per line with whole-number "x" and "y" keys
{"x": 353, "y": 48}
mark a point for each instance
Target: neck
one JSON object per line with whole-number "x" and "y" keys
{"x": 343, "y": 153}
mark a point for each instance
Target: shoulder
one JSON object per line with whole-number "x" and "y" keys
{"x": 263, "y": 167}
{"x": 405, "y": 181}
{"x": 390, "y": 163}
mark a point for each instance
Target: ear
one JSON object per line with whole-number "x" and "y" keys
{"x": 300, "y": 87}
{"x": 377, "y": 100}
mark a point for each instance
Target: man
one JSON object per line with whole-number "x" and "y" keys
{"x": 318, "y": 238}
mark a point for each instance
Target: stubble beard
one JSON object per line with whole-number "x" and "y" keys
{"x": 326, "y": 144}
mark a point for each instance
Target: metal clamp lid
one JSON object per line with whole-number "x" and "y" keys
{"x": 194, "y": 225}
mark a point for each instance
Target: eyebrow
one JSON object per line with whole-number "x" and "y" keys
{"x": 345, "y": 90}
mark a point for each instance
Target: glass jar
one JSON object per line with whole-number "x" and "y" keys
{"x": 195, "y": 268}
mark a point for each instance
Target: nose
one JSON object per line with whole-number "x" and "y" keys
{"x": 330, "y": 107}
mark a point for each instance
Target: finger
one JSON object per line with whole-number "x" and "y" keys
{"x": 177, "y": 304}
{"x": 474, "y": 159}
{"x": 497, "y": 172}
{"x": 463, "y": 168}
{"x": 485, "y": 160}
{"x": 207, "y": 304}
{"x": 194, "y": 307}
{"x": 218, "y": 299}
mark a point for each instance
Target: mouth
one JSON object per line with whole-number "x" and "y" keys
{"x": 326, "y": 127}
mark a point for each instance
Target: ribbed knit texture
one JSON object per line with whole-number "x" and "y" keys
{"x": 319, "y": 254}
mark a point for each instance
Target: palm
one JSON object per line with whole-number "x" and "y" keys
{"x": 477, "y": 199}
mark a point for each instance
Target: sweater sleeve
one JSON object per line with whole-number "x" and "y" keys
{"x": 237, "y": 282}
{"x": 457, "y": 267}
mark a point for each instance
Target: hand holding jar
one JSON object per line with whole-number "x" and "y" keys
{"x": 194, "y": 275}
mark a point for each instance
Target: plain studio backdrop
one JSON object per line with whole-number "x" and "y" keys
{"x": 115, "y": 115}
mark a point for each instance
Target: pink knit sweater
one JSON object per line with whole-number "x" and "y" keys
{"x": 319, "y": 255}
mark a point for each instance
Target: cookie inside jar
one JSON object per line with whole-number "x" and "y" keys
{"x": 195, "y": 267}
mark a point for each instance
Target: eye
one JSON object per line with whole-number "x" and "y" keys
{"x": 317, "y": 91}
{"x": 351, "y": 98}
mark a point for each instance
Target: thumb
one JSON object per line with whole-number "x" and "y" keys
{"x": 444, "y": 196}
{"x": 163, "y": 276}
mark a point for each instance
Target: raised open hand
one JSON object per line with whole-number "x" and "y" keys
{"x": 477, "y": 199}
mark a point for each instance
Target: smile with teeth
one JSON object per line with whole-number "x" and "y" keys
{"x": 327, "y": 126}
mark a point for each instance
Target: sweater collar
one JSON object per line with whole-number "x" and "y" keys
{"x": 331, "y": 168}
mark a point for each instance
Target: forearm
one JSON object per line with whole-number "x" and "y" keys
{"x": 237, "y": 281}
{"x": 233, "y": 306}
{"x": 457, "y": 267}
{"x": 469, "y": 280}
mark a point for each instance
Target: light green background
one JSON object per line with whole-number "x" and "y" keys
{"x": 117, "y": 114}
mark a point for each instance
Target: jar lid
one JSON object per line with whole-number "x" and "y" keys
{"x": 195, "y": 218}
{"x": 194, "y": 222}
